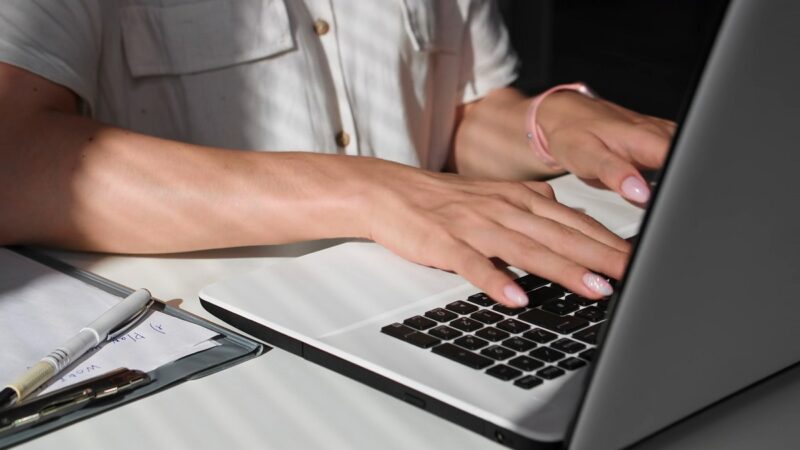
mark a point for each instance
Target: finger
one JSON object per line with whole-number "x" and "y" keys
{"x": 587, "y": 156}
{"x": 568, "y": 242}
{"x": 533, "y": 257}
{"x": 645, "y": 145}
{"x": 478, "y": 269}
{"x": 541, "y": 188}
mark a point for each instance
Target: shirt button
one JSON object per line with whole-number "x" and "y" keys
{"x": 321, "y": 27}
{"x": 342, "y": 139}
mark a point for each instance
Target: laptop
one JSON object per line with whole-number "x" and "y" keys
{"x": 708, "y": 307}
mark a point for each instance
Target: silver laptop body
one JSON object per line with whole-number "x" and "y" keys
{"x": 709, "y": 306}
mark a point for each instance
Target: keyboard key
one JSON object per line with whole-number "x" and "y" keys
{"x": 583, "y": 301}
{"x": 487, "y": 317}
{"x": 481, "y": 299}
{"x": 471, "y": 342}
{"x": 497, "y": 352}
{"x": 550, "y": 372}
{"x": 541, "y": 295}
{"x": 546, "y": 354}
{"x": 466, "y": 324}
{"x": 539, "y": 335}
{"x": 592, "y": 313}
{"x": 506, "y": 310}
{"x": 528, "y": 382}
{"x": 444, "y": 332}
{"x": 561, "y": 306}
{"x": 397, "y": 330}
{"x": 462, "y": 356}
{"x": 602, "y": 304}
{"x": 422, "y": 340}
{"x": 504, "y": 373}
{"x": 419, "y": 322}
{"x": 589, "y": 354}
{"x": 513, "y": 326}
{"x": 572, "y": 363}
{"x": 525, "y": 363}
{"x": 492, "y": 334}
{"x": 461, "y": 307}
{"x": 518, "y": 344}
{"x": 530, "y": 282}
{"x": 568, "y": 345}
{"x": 566, "y": 324}
{"x": 588, "y": 335}
{"x": 441, "y": 315}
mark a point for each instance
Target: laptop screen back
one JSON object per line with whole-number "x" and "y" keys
{"x": 711, "y": 301}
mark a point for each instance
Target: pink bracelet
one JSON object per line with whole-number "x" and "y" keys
{"x": 536, "y": 138}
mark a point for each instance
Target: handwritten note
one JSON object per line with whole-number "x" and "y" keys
{"x": 41, "y": 308}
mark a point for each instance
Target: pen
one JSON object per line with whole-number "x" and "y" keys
{"x": 108, "y": 325}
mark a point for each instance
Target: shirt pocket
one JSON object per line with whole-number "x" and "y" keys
{"x": 195, "y": 36}
{"x": 433, "y": 25}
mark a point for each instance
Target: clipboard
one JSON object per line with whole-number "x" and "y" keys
{"x": 233, "y": 349}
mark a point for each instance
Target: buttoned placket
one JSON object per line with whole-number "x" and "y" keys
{"x": 324, "y": 25}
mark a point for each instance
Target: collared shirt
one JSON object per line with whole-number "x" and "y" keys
{"x": 378, "y": 78}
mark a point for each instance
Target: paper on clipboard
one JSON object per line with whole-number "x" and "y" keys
{"x": 41, "y": 308}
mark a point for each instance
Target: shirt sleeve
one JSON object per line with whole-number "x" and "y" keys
{"x": 488, "y": 60}
{"x": 55, "y": 39}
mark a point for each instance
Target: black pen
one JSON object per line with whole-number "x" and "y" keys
{"x": 72, "y": 398}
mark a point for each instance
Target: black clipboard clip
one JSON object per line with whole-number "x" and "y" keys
{"x": 51, "y": 406}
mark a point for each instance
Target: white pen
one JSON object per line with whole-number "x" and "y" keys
{"x": 120, "y": 315}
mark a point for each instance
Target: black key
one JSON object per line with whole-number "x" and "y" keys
{"x": 513, "y": 326}
{"x": 397, "y": 330}
{"x": 588, "y": 335}
{"x": 541, "y": 295}
{"x": 444, "y": 332}
{"x": 566, "y": 324}
{"x": 419, "y": 322}
{"x": 497, "y": 352}
{"x": 441, "y": 315}
{"x": 525, "y": 363}
{"x": 561, "y": 306}
{"x": 528, "y": 382}
{"x": 591, "y": 313}
{"x": 539, "y": 335}
{"x": 492, "y": 334}
{"x": 422, "y": 340}
{"x": 506, "y": 310}
{"x": 572, "y": 363}
{"x": 487, "y": 317}
{"x": 462, "y": 356}
{"x": 602, "y": 305}
{"x": 505, "y": 373}
{"x": 481, "y": 299}
{"x": 588, "y": 354}
{"x": 546, "y": 354}
{"x": 518, "y": 344}
{"x": 466, "y": 324}
{"x": 471, "y": 342}
{"x": 530, "y": 282}
{"x": 583, "y": 301}
{"x": 550, "y": 372}
{"x": 567, "y": 345}
{"x": 461, "y": 307}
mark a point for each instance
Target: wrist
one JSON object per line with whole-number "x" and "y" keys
{"x": 545, "y": 114}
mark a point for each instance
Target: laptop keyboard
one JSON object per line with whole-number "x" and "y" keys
{"x": 556, "y": 333}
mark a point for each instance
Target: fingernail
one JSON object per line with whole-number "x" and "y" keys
{"x": 515, "y": 294}
{"x": 635, "y": 189}
{"x": 597, "y": 284}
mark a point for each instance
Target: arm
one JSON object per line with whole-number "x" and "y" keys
{"x": 592, "y": 138}
{"x": 72, "y": 182}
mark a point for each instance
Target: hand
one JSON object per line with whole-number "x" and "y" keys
{"x": 602, "y": 142}
{"x": 461, "y": 225}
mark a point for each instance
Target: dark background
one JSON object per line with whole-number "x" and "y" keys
{"x": 642, "y": 54}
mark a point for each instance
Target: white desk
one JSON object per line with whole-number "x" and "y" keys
{"x": 281, "y": 401}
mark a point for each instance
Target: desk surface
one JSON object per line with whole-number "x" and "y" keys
{"x": 282, "y": 401}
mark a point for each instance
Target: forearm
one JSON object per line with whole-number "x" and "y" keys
{"x": 490, "y": 139}
{"x": 71, "y": 182}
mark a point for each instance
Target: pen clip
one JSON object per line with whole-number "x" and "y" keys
{"x": 128, "y": 324}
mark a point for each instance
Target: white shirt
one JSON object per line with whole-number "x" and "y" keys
{"x": 363, "y": 77}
